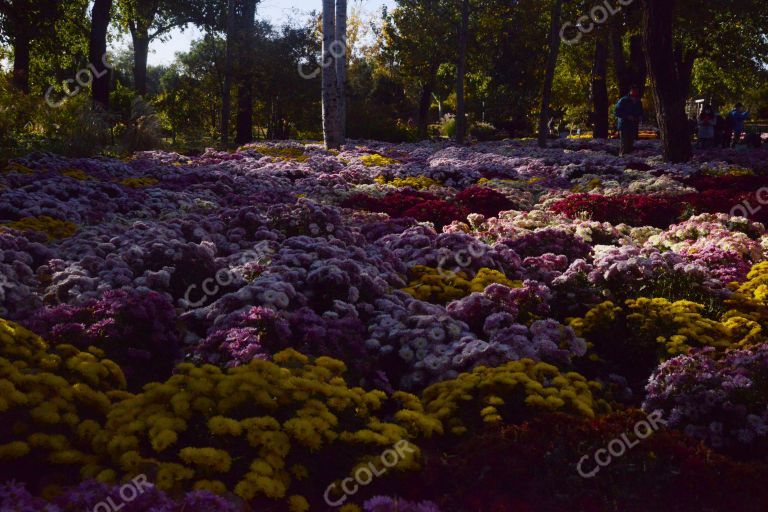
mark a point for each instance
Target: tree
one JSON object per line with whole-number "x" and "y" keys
{"x": 341, "y": 64}
{"x": 245, "y": 41}
{"x": 599, "y": 87}
{"x": 549, "y": 74}
{"x": 332, "y": 83}
{"x": 414, "y": 35}
{"x": 461, "y": 72}
{"x": 148, "y": 20}
{"x": 21, "y": 23}
{"x": 97, "y": 51}
{"x": 669, "y": 68}
{"x": 226, "y": 95}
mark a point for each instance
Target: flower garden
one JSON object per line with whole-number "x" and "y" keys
{"x": 252, "y": 331}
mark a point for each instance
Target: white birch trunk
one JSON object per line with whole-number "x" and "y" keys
{"x": 329, "y": 83}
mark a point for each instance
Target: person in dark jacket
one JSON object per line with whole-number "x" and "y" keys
{"x": 629, "y": 112}
{"x": 728, "y": 133}
{"x": 707, "y": 127}
{"x": 720, "y": 129}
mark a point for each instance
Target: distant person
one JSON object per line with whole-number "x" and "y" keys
{"x": 693, "y": 126}
{"x": 552, "y": 126}
{"x": 720, "y": 129}
{"x": 728, "y": 132}
{"x": 629, "y": 112}
{"x": 738, "y": 115}
{"x": 707, "y": 127}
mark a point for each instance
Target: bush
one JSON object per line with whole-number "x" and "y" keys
{"x": 448, "y": 126}
{"x": 142, "y": 129}
{"x": 483, "y": 131}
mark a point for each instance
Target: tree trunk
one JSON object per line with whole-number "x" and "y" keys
{"x": 549, "y": 73}
{"x": 424, "y": 103}
{"x": 140, "y": 39}
{"x": 244, "y": 123}
{"x": 21, "y": 58}
{"x": 97, "y": 52}
{"x": 341, "y": 65}
{"x": 599, "y": 88}
{"x": 619, "y": 61}
{"x": 669, "y": 92}
{"x": 461, "y": 71}
{"x": 330, "y": 90}
{"x": 226, "y": 93}
{"x": 245, "y": 44}
{"x": 638, "y": 70}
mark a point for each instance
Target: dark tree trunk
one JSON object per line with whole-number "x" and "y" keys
{"x": 226, "y": 93}
{"x": 669, "y": 90}
{"x": 97, "y": 51}
{"x": 633, "y": 73}
{"x": 549, "y": 73}
{"x": 140, "y": 39}
{"x": 461, "y": 71}
{"x": 244, "y": 124}
{"x": 620, "y": 69}
{"x": 425, "y": 101}
{"x": 21, "y": 58}
{"x": 599, "y": 88}
{"x": 341, "y": 65}
{"x": 638, "y": 70}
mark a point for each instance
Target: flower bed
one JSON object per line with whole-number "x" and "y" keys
{"x": 247, "y": 330}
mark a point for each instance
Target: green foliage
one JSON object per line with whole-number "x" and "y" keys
{"x": 141, "y": 131}
{"x": 448, "y": 126}
{"x": 483, "y": 131}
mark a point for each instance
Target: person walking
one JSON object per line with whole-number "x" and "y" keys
{"x": 737, "y": 116}
{"x": 706, "y": 127}
{"x": 720, "y": 129}
{"x": 728, "y": 133}
{"x": 629, "y": 112}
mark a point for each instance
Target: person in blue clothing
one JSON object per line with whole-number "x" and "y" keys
{"x": 737, "y": 117}
{"x": 629, "y": 112}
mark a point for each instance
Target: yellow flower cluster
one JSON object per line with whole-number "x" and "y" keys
{"x": 17, "y": 168}
{"x": 285, "y": 153}
{"x": 377, "y": 160}
{"x": 727, "y": 170}
{"x": 272, "y": 414}
{"x": 754, "y": 291}
{"x": 139, "y": 182}
{"x": 590, "y": 185}
{"x": 53, "y": 228}
{"x": 417, "y": 182}
{"x": 504, "y": 392}
{"x": 676, "y": 326}
{"x": 76, "y": 174}
{"x": 431, "y": 285}
{"x": 52, "y": 399}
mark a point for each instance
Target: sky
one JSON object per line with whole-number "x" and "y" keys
{"x": 276, "y": 11}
